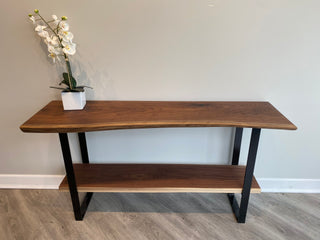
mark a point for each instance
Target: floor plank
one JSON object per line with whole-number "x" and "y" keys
{"x": 47, "y": 214}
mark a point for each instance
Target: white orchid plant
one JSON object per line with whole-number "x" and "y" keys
{"x": 58, "y": 38}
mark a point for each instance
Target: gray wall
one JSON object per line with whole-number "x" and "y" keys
{"x": 168, "y": 50}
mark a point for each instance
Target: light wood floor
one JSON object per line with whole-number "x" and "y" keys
{"x": 47, "y": 214}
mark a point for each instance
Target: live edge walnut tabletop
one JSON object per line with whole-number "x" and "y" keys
{"x": 111, "y": 115}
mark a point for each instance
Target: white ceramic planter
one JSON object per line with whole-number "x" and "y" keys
{"x": 73, "y": 100}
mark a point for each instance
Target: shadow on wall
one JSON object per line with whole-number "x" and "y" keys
{"x": 88, "y": 74}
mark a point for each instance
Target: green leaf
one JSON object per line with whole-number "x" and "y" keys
{"x": 83, "y": 86}
{"x": 67, "y": 82}
{"x": 58, "y": 88}
{"x": 78, "y": 89}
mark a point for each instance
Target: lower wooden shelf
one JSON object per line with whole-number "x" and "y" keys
{"x": 159, "y": 178}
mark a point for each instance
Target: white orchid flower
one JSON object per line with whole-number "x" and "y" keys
{"x": 66, "y": 36}
{"x": 64, "y": 26}
{"x": 54, "y": 52}
{"x": 42, "y": 33}
{"x": 69, "y": 47}
{"x": 53, "y": 40}
{"x": 55, "y": 20}
{"x": 54, "y": 57}
{"x": 33, "y": 19}
{"x": 39, "y": 28}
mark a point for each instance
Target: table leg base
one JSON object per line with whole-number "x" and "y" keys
{"x": 235, "y": 207}
{"x": 84, "y": 206}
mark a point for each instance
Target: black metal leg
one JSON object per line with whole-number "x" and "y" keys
{"x": 237, "y": 146}
{"x": 241, "y": 212}
{"x": 235, "y": 161}
{"x": 70, "y": 175}
{"x": 254, "y": 142}
{"x": 83, "y": 147}
{"x": 85, "y": 159}
{"x": 79, "y": 210}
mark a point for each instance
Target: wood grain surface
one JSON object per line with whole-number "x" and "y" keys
{"x": 159, "y": 178}
{"x": 108, "y": 115}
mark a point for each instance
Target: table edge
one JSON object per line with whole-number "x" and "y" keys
{"x": 65, "y": 128}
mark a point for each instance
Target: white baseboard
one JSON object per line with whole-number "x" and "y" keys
{"x": 31, "y": 181}
{"x": 289, "y": 185}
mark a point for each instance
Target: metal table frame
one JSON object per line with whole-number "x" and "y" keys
{"x": 239, "y": 212}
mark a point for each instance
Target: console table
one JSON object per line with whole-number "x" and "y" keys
{"x": 110, "y": 115}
